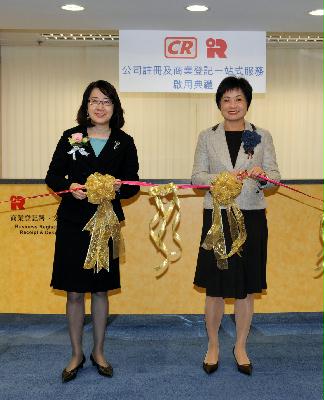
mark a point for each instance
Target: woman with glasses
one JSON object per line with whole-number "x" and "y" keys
{"x": 97, "y": 144}
{"x": 247, "y": 151}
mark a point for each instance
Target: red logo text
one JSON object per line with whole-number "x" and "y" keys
{"x": 216, "y": 48}
{"x": 180, "y": 47}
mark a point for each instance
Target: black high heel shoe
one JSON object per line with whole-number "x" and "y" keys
{"x": 210, "y": 368}
{"x": 69, "y": 375}
{"x": 104, "y": 371}
{"x": 243, "y": 368}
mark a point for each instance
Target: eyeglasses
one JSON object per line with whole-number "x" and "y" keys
{"x": 97, "y": 102}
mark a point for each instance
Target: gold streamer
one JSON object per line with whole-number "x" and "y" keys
{"x": 224, "y": 189}
{"x": 104, "y": 224}
{"x": 160, "y": 221}
{"x": 320, "y": 268}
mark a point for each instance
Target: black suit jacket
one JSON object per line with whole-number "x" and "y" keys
{"x": 118, "y": 158}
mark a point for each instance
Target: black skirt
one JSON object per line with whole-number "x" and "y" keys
{"x": 245, "y": 274}
{"x": 71, "y": 248}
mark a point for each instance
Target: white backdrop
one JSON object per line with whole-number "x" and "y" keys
{"x": 41, "y": 90}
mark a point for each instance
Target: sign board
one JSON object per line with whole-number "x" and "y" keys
{"x": 189, "y": 62}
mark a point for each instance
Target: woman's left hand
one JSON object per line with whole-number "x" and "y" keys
{"x": 117, "y": 184}
{"x": 255, "y": 172}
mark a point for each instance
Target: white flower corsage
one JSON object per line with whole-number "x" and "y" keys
{"x": 77, "y": 141}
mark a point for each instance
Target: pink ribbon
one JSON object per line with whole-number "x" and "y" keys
{"x": 180, "y": 186}
{"x": 187, "y": 186}
{"x": 265, "y": 178}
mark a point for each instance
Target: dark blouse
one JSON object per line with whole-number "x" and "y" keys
{"x": 234, "y": 140}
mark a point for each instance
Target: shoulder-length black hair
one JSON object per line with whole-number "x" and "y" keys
{"x": 117, "y": 119}
{"x": 230, "y": 83}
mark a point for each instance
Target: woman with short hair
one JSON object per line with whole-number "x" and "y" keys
{"x": 247, "y": 151}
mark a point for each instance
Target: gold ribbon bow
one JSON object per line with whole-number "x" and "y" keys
{"x": 224, "y": 189}
{"x": 320, "y": 268}
{"x": 161, "y": 219}
{"x": 104, "y": 224}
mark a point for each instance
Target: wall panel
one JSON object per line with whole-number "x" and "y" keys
{"x": 41, "y": 90}
{"x": 26, "y": 258}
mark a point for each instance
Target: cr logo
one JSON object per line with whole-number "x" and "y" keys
{"x": 180, "y": 47}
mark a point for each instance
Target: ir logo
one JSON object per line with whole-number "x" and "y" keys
{"x": 216, "y": 48}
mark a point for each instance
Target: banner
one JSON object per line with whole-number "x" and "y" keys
{"x": 189, "y": 62}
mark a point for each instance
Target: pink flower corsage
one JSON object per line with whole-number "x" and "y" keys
{"x": 77, "y": 141}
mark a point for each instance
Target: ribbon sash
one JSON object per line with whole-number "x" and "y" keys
{"x": 160, "y": 220}
{"x": 79, "y": 149}
{"x": 320, "y": 264}
{"x": 104, "y": 224}
{"x": 224, "y": 189}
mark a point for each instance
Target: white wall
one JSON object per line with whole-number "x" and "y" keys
{"x": 41, "y": 89}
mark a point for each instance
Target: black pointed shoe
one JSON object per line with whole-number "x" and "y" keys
{"x": 67, "y": 376}
{"x": 210, "y": 368}
{"x": 104, "y": 371}
{"x": 243, "y": 368}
